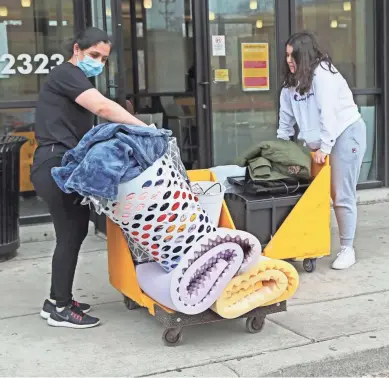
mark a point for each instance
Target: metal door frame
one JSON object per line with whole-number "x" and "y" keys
{"x": 117, "y": 28}
{"x": 203, "y": 80}
{"x": 118, "y": 81}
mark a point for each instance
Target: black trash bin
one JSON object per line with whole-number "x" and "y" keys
{"x": 9, "y": 194}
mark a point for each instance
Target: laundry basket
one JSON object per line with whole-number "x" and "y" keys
{"x": 159, "y": 214}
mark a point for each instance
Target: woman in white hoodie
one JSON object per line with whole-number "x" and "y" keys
{"x": 317, "y": 97}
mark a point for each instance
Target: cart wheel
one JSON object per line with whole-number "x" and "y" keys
{"x": 309, "y": 265}
{"x": 172, "y": 336}
{"x": 130, "y": 304}
{"x": 255, "y": 324}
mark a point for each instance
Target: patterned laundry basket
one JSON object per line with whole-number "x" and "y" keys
{"x": 138, "y": 251}
{"x": 160, "y": 216}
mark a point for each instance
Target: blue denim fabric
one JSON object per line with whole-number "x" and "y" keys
{"x": 108, "y": 155}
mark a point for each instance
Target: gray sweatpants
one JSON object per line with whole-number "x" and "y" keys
{"x": 346, "y": 160}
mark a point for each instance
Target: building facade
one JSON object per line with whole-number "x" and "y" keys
{"x": 210, "y": 70}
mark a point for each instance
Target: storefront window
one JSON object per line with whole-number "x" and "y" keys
{"x": 32, "y": 35}
{"x": 346, "y": 30}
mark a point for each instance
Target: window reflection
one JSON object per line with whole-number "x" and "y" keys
{"x": 242, "y": 118}
{"x": 31, "y": 43}
{"x": 32, "y": 34}
{"x": 21, "y": 122}
{"x": 346, "y": 30}
{"x": 176, "y": 113}
{"x": 167, "y": 45}
{"x": 158, "y": 41}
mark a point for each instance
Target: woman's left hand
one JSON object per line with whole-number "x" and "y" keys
{"x": 319, "y": 157}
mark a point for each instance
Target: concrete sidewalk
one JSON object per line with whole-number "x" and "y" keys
{"x": 333, "y": 315}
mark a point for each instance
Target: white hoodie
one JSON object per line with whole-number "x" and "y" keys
{"x": 322, "y": 114}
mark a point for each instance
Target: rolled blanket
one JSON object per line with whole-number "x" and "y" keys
{"x": 203, "y": 272}
{"x": 268, "y": 282}
{"x": 197, "y": 288}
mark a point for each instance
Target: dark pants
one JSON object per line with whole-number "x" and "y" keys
{"x": 71, "y": 227}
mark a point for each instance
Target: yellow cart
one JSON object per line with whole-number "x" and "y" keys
{"x": 306, "y": 232}
{"x": 312, "y": 211}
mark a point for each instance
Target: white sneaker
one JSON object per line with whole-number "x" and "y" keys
{"x": 345, "y": 259}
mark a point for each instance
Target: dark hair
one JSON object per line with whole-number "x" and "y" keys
{"x": 307, "y": 55}
{"x": 87, "y": 38}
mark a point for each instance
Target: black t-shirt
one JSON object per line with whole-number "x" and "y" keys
{"x": 59, "y": 119}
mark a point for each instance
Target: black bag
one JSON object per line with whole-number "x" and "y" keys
{"x": 273, "y": 187}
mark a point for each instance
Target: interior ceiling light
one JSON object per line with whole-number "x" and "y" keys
{"x": 334, "y": 24}
{"x": 259, "y": 24}
{"x": 147, "y": 4}
{"x": 3, "y": 11}
{"x": 26, "y": 3}
{"x": 253, "y": 4}
{"x": 347, "y": 6}
{"x": 211, "y": 16}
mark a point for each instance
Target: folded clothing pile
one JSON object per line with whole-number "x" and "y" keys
{"x": 277, "y": 160}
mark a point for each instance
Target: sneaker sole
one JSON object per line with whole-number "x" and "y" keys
{"x": 45, "y": 315}
{"x": 53, "y": 323}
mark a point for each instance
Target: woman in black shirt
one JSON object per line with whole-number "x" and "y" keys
{"x": 65, "y": 111}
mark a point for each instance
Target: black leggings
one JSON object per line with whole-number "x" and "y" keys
{"x": 71, "y": 227}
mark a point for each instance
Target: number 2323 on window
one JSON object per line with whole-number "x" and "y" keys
{"x": 27, "y": 64}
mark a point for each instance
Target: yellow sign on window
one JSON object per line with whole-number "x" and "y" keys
{"x": 221, "y": 75}
{"x": 255, "y": 66}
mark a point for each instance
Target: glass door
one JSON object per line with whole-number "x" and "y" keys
{"x": 160, "y": 74}
{"x": 244, "y": 75}
{"x": 106, "y": 15}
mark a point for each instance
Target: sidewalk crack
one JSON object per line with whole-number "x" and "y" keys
{"x": 291, "y": 330}
{"x": 230, "y": 368}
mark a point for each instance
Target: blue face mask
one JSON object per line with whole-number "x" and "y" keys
{"x": 90, "y": 66}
